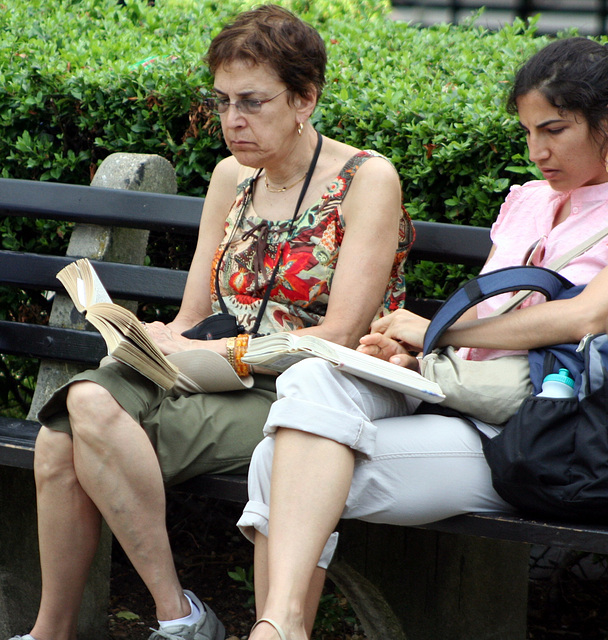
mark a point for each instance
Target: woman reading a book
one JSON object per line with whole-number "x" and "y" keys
{"x": 312, "y": 221}
{"x": 338, "y": 446}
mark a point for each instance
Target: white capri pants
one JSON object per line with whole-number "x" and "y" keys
{"x": 409, "y": 469}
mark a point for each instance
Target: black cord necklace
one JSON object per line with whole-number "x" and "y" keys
{"x": 245, "y": 204}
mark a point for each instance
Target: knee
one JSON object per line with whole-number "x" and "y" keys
{"x": 306, "y": 379}
{"x": 92, "y": 409}
{"x": 54, "y": 455}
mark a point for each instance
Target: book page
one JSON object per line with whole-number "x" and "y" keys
{"x": 95, "y": 291}
{"x": 127, "y": 325}
{"x": 127, "y": 353}
{"x": 83, "y": 284}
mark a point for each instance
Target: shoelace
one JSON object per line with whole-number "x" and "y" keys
{"x": 161, "y": 633}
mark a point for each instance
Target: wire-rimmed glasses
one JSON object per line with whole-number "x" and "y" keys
{"x": 248, "y": 106}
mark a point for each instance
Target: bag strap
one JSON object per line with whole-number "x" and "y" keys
{"x": 244, "y": 205}
{"x": 487, "y": 285}
{"x": 303, "y": 190}
{"x": 554, "y": 265}
{"x": 558, "y": 263}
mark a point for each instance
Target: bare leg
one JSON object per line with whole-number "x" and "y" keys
{"x": 117, "y": 467}
{"x": 110, "y": 467}
{"x": 68, "y": 531}
{"x": 315, "y": 588}
{"x": 311, "y": 478}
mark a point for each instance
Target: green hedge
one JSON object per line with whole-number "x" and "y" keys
{"x": 430, "y": 99}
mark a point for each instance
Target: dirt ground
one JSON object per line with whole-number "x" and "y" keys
{"x": 207, "y": 547}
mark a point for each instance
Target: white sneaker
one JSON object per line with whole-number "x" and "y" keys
{"x": 207, "y": 628}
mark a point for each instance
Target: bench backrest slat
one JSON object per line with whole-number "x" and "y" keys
{"x": 95, "y": 205}
{"x": 115, "y": 207}
{"x": 55, "y": 343}
{"x": 460, "y": 244}
{"x": 122, "y": 281}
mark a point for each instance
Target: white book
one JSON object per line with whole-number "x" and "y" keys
{"x": 280, "y": 350}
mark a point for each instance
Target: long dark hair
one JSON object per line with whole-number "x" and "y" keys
{"x": 572, "y": 74}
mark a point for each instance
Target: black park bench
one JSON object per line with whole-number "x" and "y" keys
{"x": 465, "y": 578}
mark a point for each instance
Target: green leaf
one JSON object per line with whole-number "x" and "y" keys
{"x": 127, "y": 615}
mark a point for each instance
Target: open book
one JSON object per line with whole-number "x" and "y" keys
{"x": 194, "y": 371}
{"x": 280, "y": 350}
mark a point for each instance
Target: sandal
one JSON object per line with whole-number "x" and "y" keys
{"x": 273, "y": 624}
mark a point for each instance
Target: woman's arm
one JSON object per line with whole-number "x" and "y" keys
{"x": 372, "y": 211}
{"x": 396, "y": 336}
{"x": 539, "y": 325}
{"x": 196, "y": 302}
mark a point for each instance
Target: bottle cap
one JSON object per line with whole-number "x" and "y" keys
{"x": 563, "y": 376}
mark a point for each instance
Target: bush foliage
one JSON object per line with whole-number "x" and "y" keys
{"x": 430, "y": 99}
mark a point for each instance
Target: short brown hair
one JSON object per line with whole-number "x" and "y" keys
{"x": 274, "y": 36}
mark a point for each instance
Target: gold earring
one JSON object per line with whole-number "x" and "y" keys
{"x": 300, "y": 128}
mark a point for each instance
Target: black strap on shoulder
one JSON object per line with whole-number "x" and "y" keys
{"x": 487, "y": 285}
{"x": 311, "y": 169}
{"x": 244, "y": 204}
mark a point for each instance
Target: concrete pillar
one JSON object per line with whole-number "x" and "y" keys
{"x": 131, "y": 171}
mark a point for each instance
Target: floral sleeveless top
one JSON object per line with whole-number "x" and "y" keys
{"x": 307, "y": 253}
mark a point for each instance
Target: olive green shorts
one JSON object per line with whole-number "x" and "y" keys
{"x": 192, "y": 435}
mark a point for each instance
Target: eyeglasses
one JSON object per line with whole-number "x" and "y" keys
{"x": 246, "y": 105}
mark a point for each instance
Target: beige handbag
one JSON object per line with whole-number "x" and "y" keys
{"x": 490, "y": 390}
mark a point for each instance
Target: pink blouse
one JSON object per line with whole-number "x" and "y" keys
{"x": 525, "y": 219}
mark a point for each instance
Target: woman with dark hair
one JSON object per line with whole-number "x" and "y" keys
{"x": 298, "y": 233}
{"x": 337, "y": 446}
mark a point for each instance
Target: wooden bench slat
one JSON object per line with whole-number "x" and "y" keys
{"x": 232, "y": 488}
{"x": 54, "y": 343}
{"x": 592, "y": 538}
{"x": 460, "y": 244}
{"x": 95, "y": 205}
{"x": 17, "y": 438}
{"x": 442, "y": 242}
{"x": 123, "y": 281}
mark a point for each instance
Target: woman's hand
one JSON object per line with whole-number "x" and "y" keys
{"x": 167, "y": 340}
{"x": 170, "y": 341}
{"x": 404, "y": 327}
{"x": 379, "y": 346}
